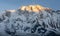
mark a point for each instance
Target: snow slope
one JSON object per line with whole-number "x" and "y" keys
{"x": 17, "y": 21}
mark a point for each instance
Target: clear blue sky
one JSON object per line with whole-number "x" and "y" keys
{"x": 14, "y": 4}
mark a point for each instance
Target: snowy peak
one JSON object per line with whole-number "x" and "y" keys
{"x": 26, "y": 20}
{"x": 10, "y": 10}
{"x": 34, "y": 8}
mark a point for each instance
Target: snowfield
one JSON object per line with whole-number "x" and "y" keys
{"x": 25, "y": 23}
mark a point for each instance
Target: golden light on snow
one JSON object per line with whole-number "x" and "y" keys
{"x": 23, "y": 8}
{"x": 31, "y": 8}
{"x": 34, "y": 8}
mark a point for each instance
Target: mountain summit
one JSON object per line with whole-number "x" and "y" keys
{"x": 34, "y": 8}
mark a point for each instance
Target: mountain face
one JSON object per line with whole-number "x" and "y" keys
{"x": 30, "y": 19}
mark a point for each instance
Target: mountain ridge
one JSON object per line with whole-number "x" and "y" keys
{"x": 34, "y": 8}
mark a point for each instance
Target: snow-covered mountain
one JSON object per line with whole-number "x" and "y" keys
{"x": 30, "y": 19}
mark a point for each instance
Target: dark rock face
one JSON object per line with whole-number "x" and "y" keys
{"x": 2, "y": 18}
{"x": 51, "y": 33}
{"x": 41, "y": 30}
